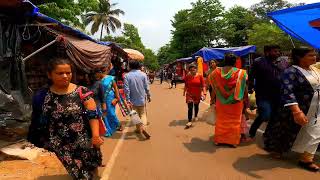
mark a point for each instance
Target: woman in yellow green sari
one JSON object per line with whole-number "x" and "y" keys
{"x": 229, "y": 86}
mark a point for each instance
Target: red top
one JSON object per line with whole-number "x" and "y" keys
{"x": 194, "y": 85}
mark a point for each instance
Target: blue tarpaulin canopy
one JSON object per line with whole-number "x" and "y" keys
{"x": 34, "y": 12}
{"x": 296, "y": 22}
{"x": 187, "y": 60}
{"x": 209, "y": 54}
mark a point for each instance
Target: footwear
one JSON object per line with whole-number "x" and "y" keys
{"x": 146, "y": 134}
{"x": 188, "y": 125}
{"x": 195, "y": 119}
{"x": 310, "y": 166}
{"x": 120, "y": 128}
{"x": 137, "y": 131}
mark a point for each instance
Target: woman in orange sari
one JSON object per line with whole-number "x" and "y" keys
{"x": 229, "y": 84}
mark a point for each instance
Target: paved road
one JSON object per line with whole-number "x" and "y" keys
{"x": 174, "y": 153}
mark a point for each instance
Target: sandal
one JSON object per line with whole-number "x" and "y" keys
{"x": 146, "y": 134}
{"x": 120, "y": 128}
{"x": 188, "y": 125}
{"x": 310, "y": 166}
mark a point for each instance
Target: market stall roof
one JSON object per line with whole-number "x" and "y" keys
{"x": 209, "y": 54}
{"x": 86, "y": 52}
{"x": 134, "y": 54}
{"x": 300, "y": 22}
{"x": 187, "y": 60}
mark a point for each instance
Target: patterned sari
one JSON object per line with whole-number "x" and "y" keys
{"x": 229, "y": 89}
{"x": 111, "y": 120}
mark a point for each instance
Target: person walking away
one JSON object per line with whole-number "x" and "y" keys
{"x": 297, "y": 126}
{"x": 194, "y": 91}
{"x": 72, "y": 127}
{"x": 151, "y": 75}
{"x": 136, "y": 89}
{"x": 98, "y": 95}
{"x": 213, "y": 66}
{"x": 229, "y": 88}
{"x": 264, "y": 78}
{"x": 111, "y": 98}
{"x": 173, "y": 80}
{"x": 162, "y": 74}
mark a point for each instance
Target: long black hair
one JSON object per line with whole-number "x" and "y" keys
{"x": 298, "y": 53}
{"x": 229, "y": 59}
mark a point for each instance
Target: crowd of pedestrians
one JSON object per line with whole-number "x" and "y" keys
{"x": 287, "y": 97}
{"x": 70, "y": 120}
{"x": 67, "y": 118}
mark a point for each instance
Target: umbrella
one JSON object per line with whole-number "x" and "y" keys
{"x": 134, "y": 54}
{"x": 300, "y": 22}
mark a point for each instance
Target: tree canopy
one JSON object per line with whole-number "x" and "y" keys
{"x": 67, "y": 11}
{"x": 130, "y": 38}
{"x": 208, "y": 24}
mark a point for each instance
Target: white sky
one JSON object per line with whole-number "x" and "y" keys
{"x": 152, "y": 17}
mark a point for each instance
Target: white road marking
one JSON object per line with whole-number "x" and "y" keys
{"x": 107, "y": 171}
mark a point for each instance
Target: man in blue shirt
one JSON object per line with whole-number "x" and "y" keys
{"x": 136, "y": 88}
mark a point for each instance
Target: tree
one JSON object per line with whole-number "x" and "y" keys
{"x": 266, "y": 34}
{"x": 238, "y": 20}
{"x": 167, "y": 54}
{"x": 104, "y": 16}
{"x": 266, "y": 6}
{"x": 150, "y": 59}
{"x": 130, "y": 38}
{"x": 66, "y": 11}
{"x": 197, "y": 27}
{"x": 131, "y": 33}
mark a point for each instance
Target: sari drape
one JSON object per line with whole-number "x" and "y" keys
{"x": 229, "y": 89}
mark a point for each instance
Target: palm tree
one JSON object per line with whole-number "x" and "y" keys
{"x": 105, "y": 16}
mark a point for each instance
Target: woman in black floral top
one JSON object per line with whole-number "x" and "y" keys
{"x": 72, "y": 122}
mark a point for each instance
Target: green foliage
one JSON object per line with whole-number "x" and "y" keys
{"x": 66, "y": 11}
{"x": 130, "y": 38}
{"x": 207, "y": 24}
{"x": 105, "y": 16}
{"x": 265, "y": 6}
{"x": 266, "y": 33}
{"x": 238, "y": 20}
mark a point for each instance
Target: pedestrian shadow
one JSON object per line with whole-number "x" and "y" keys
{"x": 55, "y": 177}
{"x": 259, "y": 162}
{"x": 176, "y": 123}
{"x": 198, "y": 145}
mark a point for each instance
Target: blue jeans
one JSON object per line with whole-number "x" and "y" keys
{"x": 264, "y": 114}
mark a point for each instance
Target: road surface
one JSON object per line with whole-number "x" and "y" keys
{"x": 173, "y": 153}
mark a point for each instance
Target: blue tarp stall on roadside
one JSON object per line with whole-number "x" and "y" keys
{"x": 209, "y": 54}
{"x": 301, "y": 22}
{"x": 186, "y": 60}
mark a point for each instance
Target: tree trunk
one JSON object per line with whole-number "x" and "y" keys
{"x": 101, "y": 32}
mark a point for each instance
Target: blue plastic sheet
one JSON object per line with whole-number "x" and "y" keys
{"x": 209, "y": 54}
{"x": 187, "y": 60}
{"x": 44, "y": 18}
{"x": 296, "y": 22}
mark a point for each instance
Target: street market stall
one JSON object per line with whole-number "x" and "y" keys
{"x": 28, "y": 40}
{"x": 301, "y": 22}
